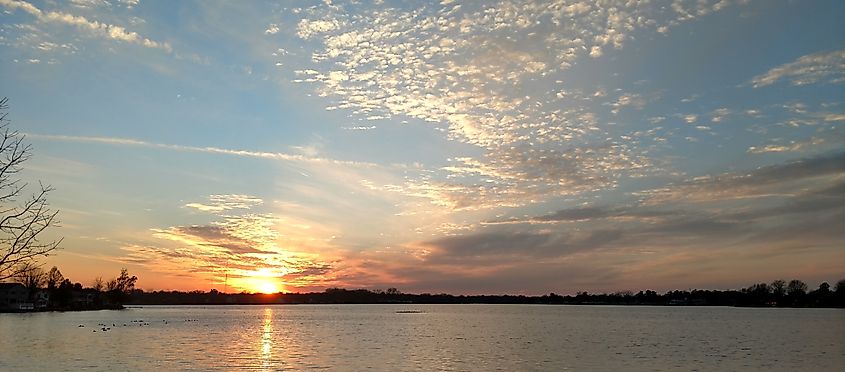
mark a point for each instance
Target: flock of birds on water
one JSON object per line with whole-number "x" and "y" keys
{"x": 141, "y": 323}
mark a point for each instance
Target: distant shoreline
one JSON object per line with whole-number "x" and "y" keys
{"x": 141, "y": 306}
{"x": 338, "y": 296}
{"x": 60, "y": 310}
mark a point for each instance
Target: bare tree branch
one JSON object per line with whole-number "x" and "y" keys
{"x": 22, "y": 223}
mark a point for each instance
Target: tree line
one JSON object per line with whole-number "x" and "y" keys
{"x": 50, "y": 290}
{"x": 778, "y": 293}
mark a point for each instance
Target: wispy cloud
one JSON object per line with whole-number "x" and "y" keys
{"x": 792, "y": 146}
{"x": 765, "y": 181}
{"x": 211, "y": 150}
{"x": 827, "y": 67}
{"x": 803, "y": 202}
{"x": 105, "y": 30}
{"x": 225, "y": 202}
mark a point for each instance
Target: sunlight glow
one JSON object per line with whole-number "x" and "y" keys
{"x": 267, "y": 287}
{"x": 267, "y": 340}
{"x": 265, "y": 280}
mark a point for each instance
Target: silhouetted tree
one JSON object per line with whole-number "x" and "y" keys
{"x": 62, "y": 295}
{"x": 126, "y": 283}
{"x": 840, "y": 293}
{"x": 796, "y": 291}
{"x": 98, "y": 284}
{"x": 32, "y": 277}
{"x": 778, "y": 288}
{"x": 840, "y": 286}
{"x": 695, "y": 297}
{"x": 54, "y": 278}
{"x": 822, "y": 296}
{"x": 120, "y": 287}
{"x": 20, "y": 223}
{"x": 796, "y": 288}
{"x": 757, "y": 294}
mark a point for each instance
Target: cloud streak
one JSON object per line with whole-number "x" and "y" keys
{"x": 104, "y": 30}
{"x": 826, "y": 67}
{"x": 222, "y": 203}
{"x": 694, "y": 228}
{"x": 116, "y": 141}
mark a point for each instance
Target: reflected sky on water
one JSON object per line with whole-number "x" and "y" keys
{"x": 438, "y": 337}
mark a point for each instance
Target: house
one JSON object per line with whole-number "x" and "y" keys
{"x": 41, "y": 298}
{"x": 14, "y": 297}
{"x": 83, "y": 298}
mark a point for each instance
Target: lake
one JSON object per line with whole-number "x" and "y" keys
{"x": 426, "y": 337}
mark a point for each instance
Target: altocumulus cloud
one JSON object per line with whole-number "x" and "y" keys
{"x": 468, "y": 65}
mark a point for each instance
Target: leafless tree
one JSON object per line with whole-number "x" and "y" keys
{"x": 778, "y": 288}
{"x": 111, "y": 285}
{"x": 98, "y": 284}
{"x": 21, "y": 222}
{"x": 32, "y": 277}
{"x": 796, "y": 288}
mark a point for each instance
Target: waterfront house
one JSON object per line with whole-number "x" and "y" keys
{"x": 41, "y": 299}
{"x": 14, "y": 297}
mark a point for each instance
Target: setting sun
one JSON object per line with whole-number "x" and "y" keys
{"x": 266, "y": 287}
{"x": 260, "y": 281}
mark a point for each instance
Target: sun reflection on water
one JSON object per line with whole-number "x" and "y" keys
{"x": 267, "y": 340}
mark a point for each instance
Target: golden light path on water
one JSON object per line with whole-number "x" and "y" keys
{"x": 267, "y": 340}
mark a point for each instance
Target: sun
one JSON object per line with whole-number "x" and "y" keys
{"x": 267, "y": 287}
{"x": 262, "y": 280}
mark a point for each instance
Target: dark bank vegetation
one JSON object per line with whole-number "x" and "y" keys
{"x": 34, "y": 289}
{"x": 776, "y": 294}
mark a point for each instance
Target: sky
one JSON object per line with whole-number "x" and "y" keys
{"x": 461, "y": 147}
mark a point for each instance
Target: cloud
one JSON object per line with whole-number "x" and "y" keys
{"x": 719, "y": 114}
{"x": 670, "y": 210}
{"x": 272, "y": 29}
{"x": 222, "y": 203}
{"x": 503, "y": 245}
{"x": 130, "y": 3}
{"x": 242, "y": 248}
{"x": 211, "y": 150}
{"x": 576, "y": 214}
{"x": 528, "y": 278}
{"x": 213, "y": 238}
{"x": 89, "y": 3}
{"x": 105, "y": 30}
{"x": 522, "y": 175}
{"x": 473, "y": 68}
{"x": 834, "y": 117}
{"x": 761, "y": 182}
{"x": 646, "y": 239}
{"x": 359, "y": 128}
{"x": 308, "y": 28}
{"x": 826, "y": 67}
{"x": 830, "y": 196}
{"x": 792, "y": 146}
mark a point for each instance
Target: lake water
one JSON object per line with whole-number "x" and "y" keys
{"x": 439, "y": 337}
